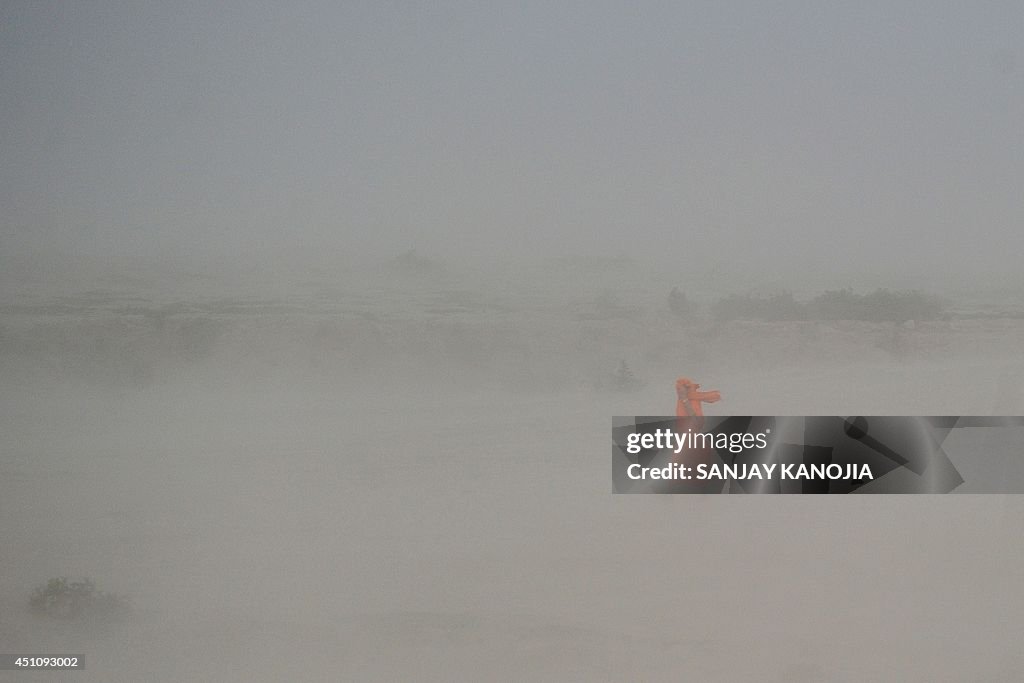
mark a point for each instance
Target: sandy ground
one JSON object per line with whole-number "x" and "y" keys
{"x": 293, "y": 524}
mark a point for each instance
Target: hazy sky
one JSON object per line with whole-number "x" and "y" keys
{"x": 781, "y": 132}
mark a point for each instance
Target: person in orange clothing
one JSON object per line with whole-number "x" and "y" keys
{"x": 689, "y": 400}
{"x": 690, "y": 417}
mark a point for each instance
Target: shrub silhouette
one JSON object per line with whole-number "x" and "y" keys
{"x": 679, "y": 304}
{"x": 64, "y": 599}
{"x": 624, "y": 379}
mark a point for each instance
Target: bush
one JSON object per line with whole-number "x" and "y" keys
{"x": 624, "y": 379}
{"x": 64, "y": 599}
{"x": 679, "y": 304}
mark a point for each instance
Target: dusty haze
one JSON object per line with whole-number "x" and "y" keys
{"x": 312, "y": 321}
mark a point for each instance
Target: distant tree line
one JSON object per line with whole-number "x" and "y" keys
{"x": 881, "y": 305}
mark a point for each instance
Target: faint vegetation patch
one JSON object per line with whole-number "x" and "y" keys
{"x": 679, "y": 304}
{"x": 881, "y": 305}
{"x": 62, "y": 598}
{"x": 624, "y": 379}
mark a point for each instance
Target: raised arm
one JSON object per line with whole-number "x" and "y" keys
{"x": 689, "y": 400}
